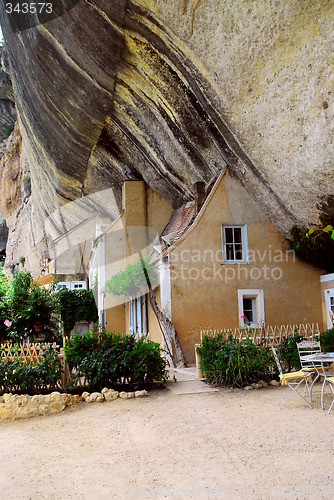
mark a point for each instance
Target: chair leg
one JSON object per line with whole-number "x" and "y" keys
{"x": 323, "y": 389}
{"x": 292, "y": 390}
{"x": 332, "y": 389}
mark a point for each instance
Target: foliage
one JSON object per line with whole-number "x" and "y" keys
{"x": 226, "y": 361}
{"x": 315, "y": 246}
{"x": 76, "y": 305}
{"x": 30, "y": 308}
{"x": 8, "y": 130}
{"x": 109, "y": 359}
{"x": 327, "y": 340}
{"x": 15, "y": 375}
{"x": 133, "y": 278}
{"x": 288, "y": 352}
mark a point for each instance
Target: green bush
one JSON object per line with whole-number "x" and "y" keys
{"x": 15, "y": 375}
{"x": 288, "y": 352}
{"x": 76, "y": 305}
{"x": 30, "y": 308}
{"x": 233, "y": 363}
{"x": 113, "y": 359}
{"x": 327, "y": 340}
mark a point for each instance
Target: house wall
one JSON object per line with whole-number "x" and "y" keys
{"x": 144, "y": 215}
{"x": 205, "y": 292}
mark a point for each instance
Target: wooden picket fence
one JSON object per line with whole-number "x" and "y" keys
{"x": 31, "y": 353}
{"x": 272, "y": 335}
{"x": 25, "y": 352}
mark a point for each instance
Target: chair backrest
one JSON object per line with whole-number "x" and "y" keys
{"x": 277, "y": 360}
{"x": 306, "y": 348}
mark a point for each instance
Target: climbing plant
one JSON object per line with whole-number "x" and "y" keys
{"x": 76, "y": 305}
{"x": 132, "y": 280}
{"x": 315, "y": 246}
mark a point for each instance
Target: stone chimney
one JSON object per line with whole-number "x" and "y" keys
{"x": 199, "y": 194}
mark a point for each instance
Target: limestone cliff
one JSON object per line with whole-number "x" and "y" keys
{"x": 174, "y": 90}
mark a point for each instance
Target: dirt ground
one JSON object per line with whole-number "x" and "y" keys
{"x": 226, "y": 444}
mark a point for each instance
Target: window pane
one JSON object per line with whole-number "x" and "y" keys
{"x": 238, "y": 251}
{"x": 229, "y": 252}
{"x": 228, "y": 234}
{"x": 248, "y": 310}
{"x": 237, "y": 234}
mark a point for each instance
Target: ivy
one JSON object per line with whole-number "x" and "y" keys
{"x": 133, "y": 278}
{"x": 315, "y": 246}
{"x": 76, "y": 305}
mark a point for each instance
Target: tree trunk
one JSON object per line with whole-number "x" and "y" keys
{"x": 168, "y": 332}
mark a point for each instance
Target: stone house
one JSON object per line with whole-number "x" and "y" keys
{"x": 223, "y": 264}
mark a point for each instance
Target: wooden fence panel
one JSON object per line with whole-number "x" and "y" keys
{"x": 272, "y": 335}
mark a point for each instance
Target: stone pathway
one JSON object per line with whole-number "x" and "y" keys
{"x": 187, "y": 382}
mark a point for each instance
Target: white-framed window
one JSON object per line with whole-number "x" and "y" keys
{"x": 329, "y": 298}
{"x": 235, "y": 244}
{"x": 250, "y": 308}
{"x": 138, "y": 315}
{"x": 78, "y": 285}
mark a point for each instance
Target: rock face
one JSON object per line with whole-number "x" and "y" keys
{"x": 175, "y": 90}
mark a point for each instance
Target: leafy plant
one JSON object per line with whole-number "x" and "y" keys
{"x": 16, "y": 375}
{"x": 114, "y": 359}
{"x": 288, "y": 352}
{"x": 76, "y": 305}
{"x": 133, "y": 278}
{"x": 31, "y": 309}
{"x": 315, "y": 246}
{"x": 226, "y": 361}
{"x": 327, "y": 340}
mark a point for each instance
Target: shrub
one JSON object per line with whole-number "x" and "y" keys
{"x": 230, "y": 362}
{"x": 327, "y": 340}
{"x": 31, "y": 308}
{"x": 288, "y": 352}
{"x": 16, "y": 375}
{"x": 76, "y": 305}
{"x": 109, "y": 359}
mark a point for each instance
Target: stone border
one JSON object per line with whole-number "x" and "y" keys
{"x": 14, "y": 407}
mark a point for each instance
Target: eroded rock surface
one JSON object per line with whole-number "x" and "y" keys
{"x": 175, "y": 90}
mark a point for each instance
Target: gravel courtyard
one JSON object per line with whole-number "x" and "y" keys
{"x": 226, "y": 444}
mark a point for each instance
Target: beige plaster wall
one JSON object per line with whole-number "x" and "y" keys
{"x": 205, "y": 292}
{"x": 142, "y": 208}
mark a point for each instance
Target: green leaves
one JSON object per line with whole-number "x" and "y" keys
{"x": 76, "y": 305}
{"x": 111, "y": 360}
{"x": 15, "y": 375}
{"x": 230, "y": 362}
{"x": 133, "y": 279}
{"x": 31, "y": 309}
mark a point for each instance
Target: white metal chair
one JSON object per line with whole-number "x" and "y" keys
{"x": 330, "y": 382}
{"x": 307, "y": 348}
{"x": 293, "y": 380}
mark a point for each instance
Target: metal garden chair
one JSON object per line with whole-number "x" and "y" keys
{"x": 330, "y": 382}
{"x": 314, "y": 369}
{"x": 293, "y": 380}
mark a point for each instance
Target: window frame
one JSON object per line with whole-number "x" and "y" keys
{"x": 258, "y": 296}
{"x": 138, "y": 315}
{"x": 244, "y": 243}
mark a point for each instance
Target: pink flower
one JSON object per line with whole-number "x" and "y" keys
{"x": 7, "y": 323}
{"x": 242, "y": 315}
